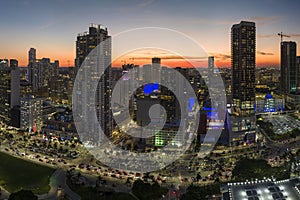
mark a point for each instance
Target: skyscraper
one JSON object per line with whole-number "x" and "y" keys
{"x": 298, "y": 71}
{"x": 85, "y": 43}
{"x": 40, "y": 71}
{"x": 243, "y": 47}
{"x": 9, "y": 88}
{"x": 243, "y": 50}
{"x": 156, "y": 70}
{"x": 31, "y": 113}
{"x": 15, "y": 83}
{"x": 288, "y": 68}
{"x": 211, "y": 62}
{"x": 31, "y": 61}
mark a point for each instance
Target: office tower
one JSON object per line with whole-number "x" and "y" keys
{"x": 4, "y": 91}
{"x": 31, "y": 61}
{"x": 15, "y": 83}
{"x": 129, "y": 77}
{"x": 155, "y": 70}
{"x": 41, "y": 71}
{"x": 25, "y": 88}
{"x": 31, "y": 113}
{"x": 9, "y": 88}
{"x": 243, "y": 45}
{"x": 85, "y": 43}
{"x": 243, "y": 50}
{"x": 31, "y": 55}
{"x": 288, "y": 68}
{"x": 47, "y": 70}
{"x": 211, "y": 62}
{"x": 298, "y": 72}
{"x": 146, "y": 73}
{"x": 33, "y": 73}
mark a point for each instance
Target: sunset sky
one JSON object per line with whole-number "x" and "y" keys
{"x": 52, "y": 26}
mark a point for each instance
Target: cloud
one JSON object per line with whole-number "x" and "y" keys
{"x": 26, "y": 3}
{"x": 45, "y": 26}
{"x": 205, "y": 21}
{"x": 268, "y": 36}
{"x": 262, "y": 20}
{"x": 264, "y": 53}
{"x": 173, "y": 57}
{"x": 294, "y": 35}
{"x": 221, "y": 56}
{"x": 145, "y": 3}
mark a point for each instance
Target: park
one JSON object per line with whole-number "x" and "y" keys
{"x": 17, "y": 174}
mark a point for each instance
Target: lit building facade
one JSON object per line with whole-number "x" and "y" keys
{"x": 242, "y": 122}
{"x": 31, "y": 113}
{"x": 9, "y": 88}
{"x": 269, "y": 105}
{"x": 289, "y": 67}
{"x": 243, "y": 50}
{"x": 211, "y": 62}
{"x": 85, "y": 43}
{"x": 40, "y": 71}
{"x": 298, "y": 72}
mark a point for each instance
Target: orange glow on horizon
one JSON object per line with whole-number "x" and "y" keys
{"x": 67, "y": 60}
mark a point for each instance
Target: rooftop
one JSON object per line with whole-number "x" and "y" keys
{"x": 263, "y": 189}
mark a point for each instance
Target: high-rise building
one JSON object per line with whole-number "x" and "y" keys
{"x": 243, "y": 50}
{"x": 31, "y": 61}
{"x": 9, "y": 88}
{"x": 15, "y": 83}
{"x": 40, "y": 71}
{"x": 47, "y": 70}
{"x": 289, "y": 68}
{"x": 156, "y": 70}
{"x": 298, "y": 71}
{"x": 152, "y": 73}
{"x": 85, "y": 43}
{"x": 31, "y": 113}
{"x": 211, "y": 62}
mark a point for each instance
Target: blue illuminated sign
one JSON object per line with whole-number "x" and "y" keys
{"x": 151, "y": 87}
{"x": 191, "y": 104}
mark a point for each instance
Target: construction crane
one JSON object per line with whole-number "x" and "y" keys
{"x": 282, "y": 35}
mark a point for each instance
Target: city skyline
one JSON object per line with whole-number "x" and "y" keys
{"x": 149, "y": 99}
{"x": 52, "y": 32}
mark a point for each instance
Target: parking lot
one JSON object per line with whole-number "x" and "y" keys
{"x": 283, "y": 123}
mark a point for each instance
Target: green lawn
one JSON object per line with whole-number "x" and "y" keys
{"x": 145, "y": 191}
{"x": 252, "y": 169}
{"x": 17, "y": 174}
{"x": 195, "y": 192}
{"x": 90, "y": 193}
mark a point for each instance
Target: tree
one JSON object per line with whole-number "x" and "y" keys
{"x": 23, "y": 195}
{"x": 194, "y": 192}
{"x": 198, "y": 177}
{"x": 11, "y": 136}
{"x": 128, "y": 181}
{"x": 147, "y": 191}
